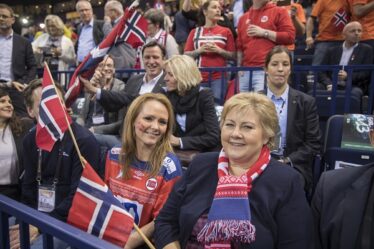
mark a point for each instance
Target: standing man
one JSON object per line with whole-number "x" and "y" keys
{"x": 332, "y": 16}
{"x": 123, "y": 54}
{"x": 18, "y": 66}
{"x": 363, "y": 11}
{"x": 262, "y": 27}
{"x": 90, "y": 31}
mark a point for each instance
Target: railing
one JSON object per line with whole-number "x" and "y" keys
{"x": 49, "y": 226}
{"x": 298, "y": 72}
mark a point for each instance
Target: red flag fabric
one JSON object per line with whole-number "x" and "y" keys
{"x": 130, "y": 29}
{"x": 340, "y": 19}
{"x": 96, "y": 211}
{"x": 52, "y": 122}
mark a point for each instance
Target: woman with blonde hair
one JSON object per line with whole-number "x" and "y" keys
{"x": 142, "y": 172}
{"x": 239, "y": 197}
{"x": 196, "y": 119}
{"x": 53, "y": 47}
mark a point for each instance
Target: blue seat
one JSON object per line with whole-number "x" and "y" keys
{"x": 332, "y": 147}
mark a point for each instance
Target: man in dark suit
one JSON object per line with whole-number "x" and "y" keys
{"x": 18, "y": 66}
{"x": 343, "y": 207}
{"x": 90, "y": 31}
{"x": 352, "y": 52}
{"x": 138, "y": 84}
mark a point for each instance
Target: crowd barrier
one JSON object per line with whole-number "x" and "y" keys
{"x": 300, "y": 76}
{"x": 49, "y": 226}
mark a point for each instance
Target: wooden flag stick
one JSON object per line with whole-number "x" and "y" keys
{"x": 146, "y": 240}
{"x": 66, "y": 118}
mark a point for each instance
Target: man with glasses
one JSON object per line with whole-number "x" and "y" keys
{"x": 18, "y": 66}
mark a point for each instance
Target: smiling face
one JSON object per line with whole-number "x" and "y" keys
{"x": 52, "y": 28}
{"x": 213, "y": 12}
{"x": 153, "y": 61}
{"x": 151, "y": 124}
{"x": 6, "y": 109}
{"x": 278, "y": 70}
{"x": 170, "y": 81}
{"x": 242, "y": 137}
{"x": 106, "y": 67}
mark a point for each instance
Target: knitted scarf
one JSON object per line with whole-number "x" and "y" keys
{"x": 229, "y": 218}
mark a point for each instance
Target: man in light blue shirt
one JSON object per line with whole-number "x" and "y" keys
{"x": 90, "y": 31}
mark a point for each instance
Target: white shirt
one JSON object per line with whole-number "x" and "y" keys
{"x": 6, "y": 49}
{"x": 8, "y": 158}
{"x": 346, "y": 55}
{"x": 147, "y": 87}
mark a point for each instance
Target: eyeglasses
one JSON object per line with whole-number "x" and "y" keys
{"x": 5, "y": 17}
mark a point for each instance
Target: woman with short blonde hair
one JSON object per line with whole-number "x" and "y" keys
{"x": 197, "y": 125}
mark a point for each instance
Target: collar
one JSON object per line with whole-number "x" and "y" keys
{"x": 7, "y": 37}
{"x": 353, "y": 47}
{"x": 89, "y": 24}
{"x": 154, "y": 80}
{"x": 284, "y": 95}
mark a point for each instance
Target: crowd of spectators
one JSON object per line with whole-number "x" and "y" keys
{"x": 135, "y": 128}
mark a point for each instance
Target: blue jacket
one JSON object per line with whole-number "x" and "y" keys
{"x": 278, "y": 205}
{"x": 70, "y": 169}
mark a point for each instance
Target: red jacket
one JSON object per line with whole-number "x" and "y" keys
{"x": 270, "y": 17}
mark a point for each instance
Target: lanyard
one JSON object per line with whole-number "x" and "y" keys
{"x": 282, "y": 107}
{"x": 59, "y": 162}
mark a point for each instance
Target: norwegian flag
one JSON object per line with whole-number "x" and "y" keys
{"x": 96, "y": 211}
{"x": 53, "y": 119}
{"x": 130, "y": 29}
{"x": 340, "y": 19}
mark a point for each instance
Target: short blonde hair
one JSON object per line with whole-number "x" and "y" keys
{"x": 57, "y": 21}
{"x": 261, "y": 105}
{"x": 128, "y": 151}
{"x": 185, "y": 71}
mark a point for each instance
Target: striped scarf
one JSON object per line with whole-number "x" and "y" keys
{"x": 229, "y": 218}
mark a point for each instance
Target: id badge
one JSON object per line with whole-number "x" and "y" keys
{"x": 46, "y": 198}
{"x": 278, "y": 150}
{"x": 99, "y": 119}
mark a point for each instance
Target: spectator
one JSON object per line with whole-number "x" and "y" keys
{"x": 238, "y": 8}
{"x": 197, "y": 123}
{"x": 142, "y": 172}
{"x": 182, "y": 27}
{"x": 332, "y": 15}
{"x": 211, "y": 45}
{"x": 363, "y": 11}
{"x": 343, "y": 207}
{"x": 12, "y": 131}
{"x": 60, "y": 169}
{"x": 90, "y": 30}
{"x": 156, "y": 32}
{"x": 93, "y": 115}
{"x": 17, "y": 60}
{"x": 265, "y": 208}
{"x": 54, "y": 47}
{"x": 352, "y": 52}
{"x": 123, "y": 54}
{"x": 152, "y": 81}
{"x": 299, "y": 138}
{"x": 260, "y": 29}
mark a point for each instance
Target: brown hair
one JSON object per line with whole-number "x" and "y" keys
{"x": 28, "y": 92}
{"x": 5, "y": 6}
{"x": 129, "y": 147}
{"x": 277, "y": 50}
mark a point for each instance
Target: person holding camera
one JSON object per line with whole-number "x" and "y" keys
{"x": 53, "y": 47}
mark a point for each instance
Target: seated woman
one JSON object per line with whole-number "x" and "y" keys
{"x": 211, "y": 45}
{"x": 265, "y": 208}
{"x": 143, "y": 171}
{"x": 197, "y": 123}
{"x": 12, "y": 131}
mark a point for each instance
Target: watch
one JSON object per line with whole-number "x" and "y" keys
{"x": 266, "y": 34}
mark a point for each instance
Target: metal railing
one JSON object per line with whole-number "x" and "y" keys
{"x": 49, "y": 226}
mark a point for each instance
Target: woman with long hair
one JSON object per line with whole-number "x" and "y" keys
{"x": 12, "y": 131}
{"x": 142, "y": 172}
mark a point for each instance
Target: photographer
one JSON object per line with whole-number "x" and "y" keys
{"x": 53, "y": 47}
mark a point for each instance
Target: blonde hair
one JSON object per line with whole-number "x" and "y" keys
{"x": 57, "y": 21}
{"x": 129, "y": 148}
{"x": 185, "y": 72}
{"x": 261, "y": 105}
